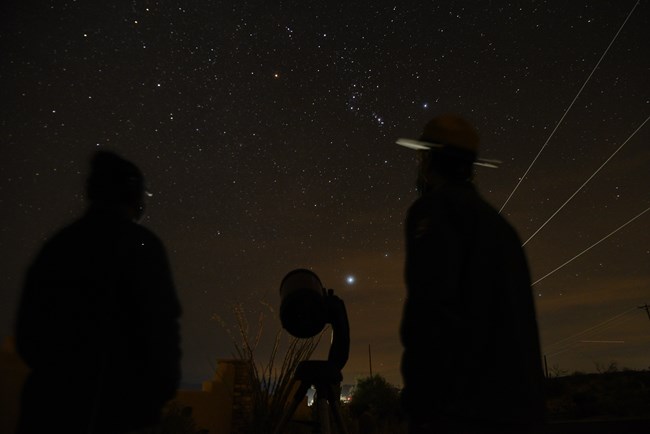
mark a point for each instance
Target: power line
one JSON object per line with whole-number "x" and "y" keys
{"x": 570, "y": 105}
{"x": 590, "y": 329}
{"x": 585, "y": 183}
{"x": 592, "y": 246}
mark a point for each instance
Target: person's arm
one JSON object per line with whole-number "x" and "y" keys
{"x": 33, "y": 314}
{"x": 162, "y": 311}
{"x": 434, "y": 260}
{"x": 430, "y": 322}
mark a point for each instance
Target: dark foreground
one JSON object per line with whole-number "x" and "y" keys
{"x": 632, "y": 426}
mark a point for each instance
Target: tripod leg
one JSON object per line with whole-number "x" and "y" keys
{"x": 338, "y": 418}
{"x": 334, "y": 396}
{"x": 297, "y": 399}
{"x": 323, "y": 415}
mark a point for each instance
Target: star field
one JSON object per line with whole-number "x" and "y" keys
{"x": 266, "y": 132}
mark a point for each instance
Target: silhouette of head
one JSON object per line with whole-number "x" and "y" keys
{"x": 116, "y": 183}
{"x": 453, "y": 150}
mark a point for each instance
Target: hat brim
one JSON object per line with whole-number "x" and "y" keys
{"x": 419, "y": 145}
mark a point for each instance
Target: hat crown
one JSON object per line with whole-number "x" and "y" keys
{"x": 451, "y": 130}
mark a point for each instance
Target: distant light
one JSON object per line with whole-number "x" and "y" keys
{"x": 350, "y": 280}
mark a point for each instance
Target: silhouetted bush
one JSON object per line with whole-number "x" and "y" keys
{"x": 611, "y": 394}
{"x": 377, "y": 402}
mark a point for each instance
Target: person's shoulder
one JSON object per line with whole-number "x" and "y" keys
{"x": 420, "y": 207}
{"x": 428, "y": 201}
{"x": 64, "y": 233}
{"x": 482, "y": 205}
{"x": 137, "y": 241}
{"x": 494, "y": 218}
{"x": 427, "y": 215}
{"x": 142, "y": 233}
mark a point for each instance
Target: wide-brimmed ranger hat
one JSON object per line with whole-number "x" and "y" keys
{"x": 451, "y": 134}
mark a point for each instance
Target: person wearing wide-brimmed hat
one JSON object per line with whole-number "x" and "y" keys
{"x": 471, "y": 358}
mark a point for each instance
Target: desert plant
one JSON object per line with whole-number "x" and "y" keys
{"x": 556, "y": 371}
{"x": 602, "y": 369}
{"x": 271, "y": 380}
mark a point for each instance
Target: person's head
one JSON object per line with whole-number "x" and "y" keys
{"x": 116, "y": 183}
{"x": 452, "y": 152}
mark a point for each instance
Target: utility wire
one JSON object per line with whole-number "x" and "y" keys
{"x": 561, "y": 341}
{"x": 585, "y": 183}
{"x": 592, "y": 246}
{"x": 569, "y": 108}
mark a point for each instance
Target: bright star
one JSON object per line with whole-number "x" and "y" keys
{"x": 350, "y": 280}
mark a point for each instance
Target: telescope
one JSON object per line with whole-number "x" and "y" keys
{"x": 306, "y": 308}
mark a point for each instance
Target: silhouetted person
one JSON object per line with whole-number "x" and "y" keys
{"x": 471, "y": 359}
{"x": 98, "y": 320}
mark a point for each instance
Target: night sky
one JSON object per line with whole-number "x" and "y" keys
{"x": 266, "y": 132}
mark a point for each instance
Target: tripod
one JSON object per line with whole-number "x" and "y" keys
{"x": 326, "y": 379}
{"x": 306, "y": 308}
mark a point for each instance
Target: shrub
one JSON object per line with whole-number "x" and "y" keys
{"x": 272, "y": 380}
{"x": 375, "y": 397}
